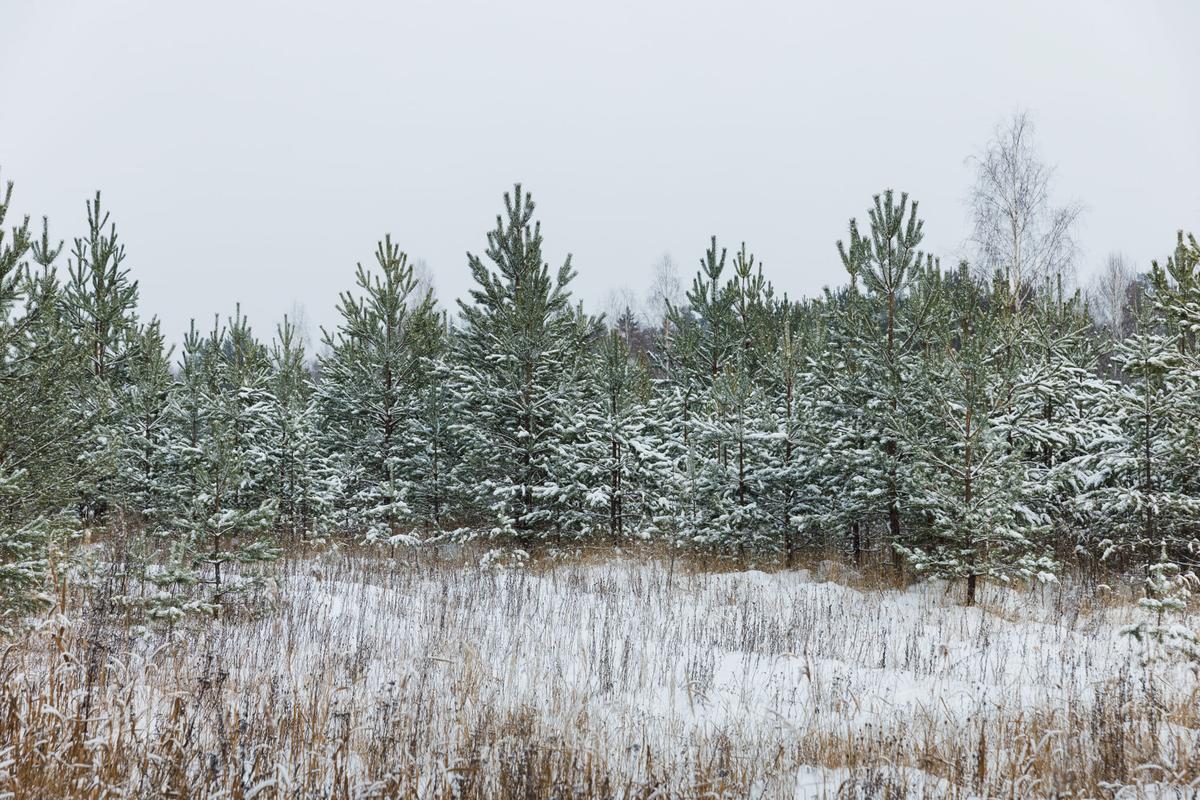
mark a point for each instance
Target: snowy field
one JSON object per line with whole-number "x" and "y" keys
{"x": 610, "y": 677}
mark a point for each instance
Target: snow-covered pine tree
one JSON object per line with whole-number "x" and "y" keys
{"x": 1139, "y": 495}
{"x": 1056, "y": 419}
{"x": 433, "y": 451}
{"x": 99, "y": 306}
{"x": 1146, "y": 501}
{"x": 690, "y": 356}
{"x": 143, "y": 482}
{"x": 244, "y": 372}
{"x": 220, "y": 442}
{"x": 890, "y": 266}
{"x": 189, "y": 409}
{"x": 37, "y": 456}
{"x": 621, "y": 463}
{"x": 746, "y": 410}
{"x": 375, "y": 366}
{"x": 516, "y": 355}
{"x": 676, "y": 403}
{"x": 844, "y": 469}
{"x": 699, "y": 338}
{"x": 791, "y": 499}
{"x": 568, "y": 490}
{"x": 965, "y": 478}
{"x": 144, "y": 490}
{"x": 293, "y": 469}
{"x": 1165, "y": 632}
{"x": 187, "y": 414}
{"x": 1177, "y": 291}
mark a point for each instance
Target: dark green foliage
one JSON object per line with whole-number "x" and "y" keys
{"x": 520, "y": 362}
{"x": 378, "y": 360}
{"x": 39, "y": 434}
{"x": 99, "y": 310}
{"x": 950, "y": 424}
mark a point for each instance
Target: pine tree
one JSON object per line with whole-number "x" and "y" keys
{"x": 99, "y": 302}
{"x": 517, "y": 357}
{"x": 1165, "y": 632}
{"x": 37, "y": 432}
{"x": 1177, "y": 291}
{"x": 433, "y": 450}
{"x": 676, "y": 413}
{"x": 1143, "y": 495}
{"x": 568, "y": 492}
{"x": 967, "y": 479}
{"x": 1055, "y": 412}
{"x": 845, "y": 468}
{"x": 890, "y": 266}
{"x": 376, "y": 363}
{"x": 745, "y": 423}
{"x": 143, "y": 429}
{"x": 1145, "y": 501}
{"x": 621, "y": 463}
{"x": 790, "y": 486}
{"x": 721, "y": 407}
{"x": 293, "y": 465}
{"x": 218, "y": 412}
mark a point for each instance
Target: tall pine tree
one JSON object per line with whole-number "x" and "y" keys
{"x": 517, "y": 357}
{"x": 377, "y": 362}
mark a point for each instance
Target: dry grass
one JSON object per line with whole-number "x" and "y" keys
{"x": 593, "y": 675}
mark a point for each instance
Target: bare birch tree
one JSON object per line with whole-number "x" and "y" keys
{"x": 666, "y": 289}
{"x": 1017, "y": 231}
{"x": 1109, "y": 295}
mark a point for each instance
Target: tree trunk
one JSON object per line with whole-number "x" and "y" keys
{"x": 893, "y": 494}
{"x": 894, "y": 526}
{"x": 967, "y": 504}
{"x": 614, "y": 501}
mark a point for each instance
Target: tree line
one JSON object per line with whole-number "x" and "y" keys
{"x": 971, "y": 422}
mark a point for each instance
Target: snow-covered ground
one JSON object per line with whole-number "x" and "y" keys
{"x": 624, "y": 675}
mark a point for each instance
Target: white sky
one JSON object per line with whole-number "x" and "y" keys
{"x": 255, "y": 151}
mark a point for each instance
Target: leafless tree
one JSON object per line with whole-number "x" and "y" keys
{"x": 666, "y": 287}
{"x": 1108, "y": 294}
{"x": 619, "y": 301}
{"x": 298, "y": 317}
{"x": 425, "y": 284}
{"x": 1017, "y": 231}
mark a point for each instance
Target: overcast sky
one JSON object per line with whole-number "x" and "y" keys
{"x": 253, "y": 152}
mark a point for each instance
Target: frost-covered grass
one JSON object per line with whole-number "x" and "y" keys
{"x": 625, "y": 676}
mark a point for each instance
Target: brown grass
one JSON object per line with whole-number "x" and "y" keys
{"x": 414, "y": 674}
